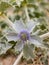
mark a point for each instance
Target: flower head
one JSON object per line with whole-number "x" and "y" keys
{"x": 24, "y": 34}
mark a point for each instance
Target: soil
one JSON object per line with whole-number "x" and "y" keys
{"x": 10, "y": 59}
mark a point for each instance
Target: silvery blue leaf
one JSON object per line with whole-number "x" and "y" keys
{"x": 19, "y": 46}
{"x": 4, "y": 47}
{"x": 37, "y": 41}
{"x": 28, "y": 52}
{"x": 30, "y": 25}
{"x": 12, "y": 36}
{"x": 19, "y": 25}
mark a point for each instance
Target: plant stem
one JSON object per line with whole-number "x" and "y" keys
{"x": 45, "y": 35}
{"x": 18, "y": 59}
{"x": 26, "y": 12}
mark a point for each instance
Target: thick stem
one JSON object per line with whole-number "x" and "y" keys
{"x": 26, "y": 12}
{"x": 45, "y": 35}
{"x": 18, "y": 59}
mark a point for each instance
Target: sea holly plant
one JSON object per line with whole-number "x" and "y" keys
{"x": 24, "y": 37}
{"x": 22, "y": 32}
{"x": 27, "y": 40}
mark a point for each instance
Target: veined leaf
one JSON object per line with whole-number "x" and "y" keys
{"x": 28, "y": 51}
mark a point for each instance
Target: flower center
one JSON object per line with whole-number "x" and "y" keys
{"x": 24, "y": 35}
